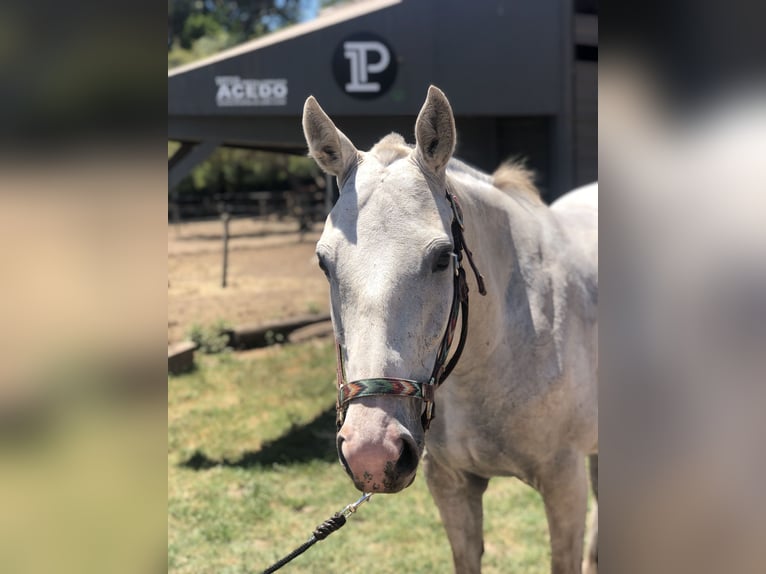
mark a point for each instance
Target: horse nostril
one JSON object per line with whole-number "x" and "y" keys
{"x": 408, "y": 459}
{"x": 343, "y": 458}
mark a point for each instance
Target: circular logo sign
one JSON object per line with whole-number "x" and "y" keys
{"x": 364, "y": 66}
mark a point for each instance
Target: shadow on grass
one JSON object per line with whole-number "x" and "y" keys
{"x": 302, "y": 443}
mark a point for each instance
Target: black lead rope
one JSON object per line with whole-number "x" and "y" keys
{"x": 320, "y": 533}
{"x": 332, "y": 524}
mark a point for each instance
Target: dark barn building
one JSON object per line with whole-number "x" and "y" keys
{"x": 520, "y": 75}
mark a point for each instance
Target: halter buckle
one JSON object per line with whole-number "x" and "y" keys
{"x": 457, "y": 211}
{"x": 428, "y": 416}
{"x": 428, "y": 391}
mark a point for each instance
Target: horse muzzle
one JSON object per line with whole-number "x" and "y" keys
{"x": 384, "y": 465}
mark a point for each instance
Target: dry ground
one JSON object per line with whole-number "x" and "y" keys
{"x": 272, "y": 274}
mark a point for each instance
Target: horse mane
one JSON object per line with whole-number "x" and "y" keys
{"x": 514, "y": 177}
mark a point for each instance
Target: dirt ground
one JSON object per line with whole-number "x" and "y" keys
{"x": 272, "y": 274}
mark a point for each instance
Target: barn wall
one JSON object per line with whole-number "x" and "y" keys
{"x": 586, "y": 122}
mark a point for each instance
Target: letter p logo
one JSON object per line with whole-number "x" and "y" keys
{"x": 364, "y": 66}
{"x": 357, "y": 53}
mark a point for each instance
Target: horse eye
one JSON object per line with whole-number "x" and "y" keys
{"x": 323, "y": 266}
{"x": 443, "y": 261}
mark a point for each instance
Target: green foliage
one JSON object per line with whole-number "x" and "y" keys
{"x": 201, "y": 48}
{"x": 229, "y": 169}
{"x": 197, "y": 29}
{"x": 273, "y": 338}
{"x": 210, "y": 339}
{"x": 198, "y": 25}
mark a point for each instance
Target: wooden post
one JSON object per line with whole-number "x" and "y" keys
{"x": 225, "y": 218}
{"x": 175, "y": 210}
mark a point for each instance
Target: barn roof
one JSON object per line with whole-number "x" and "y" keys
{"x": 327, "y": 17}
{"x": 370, "y": 63}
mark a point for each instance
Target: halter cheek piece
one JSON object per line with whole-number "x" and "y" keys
{"x": 423, "y": 390}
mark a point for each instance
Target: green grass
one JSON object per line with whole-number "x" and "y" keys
{"x": 252, "y": 470}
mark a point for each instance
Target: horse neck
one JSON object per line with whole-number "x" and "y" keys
{"x": 512, "y": 239}
{"x": 503, "y": 228}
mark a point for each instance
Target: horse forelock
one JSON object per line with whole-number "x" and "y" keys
{"x": 390, "y": 149}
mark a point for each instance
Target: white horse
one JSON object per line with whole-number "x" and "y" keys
{"x": 522, "y": 400}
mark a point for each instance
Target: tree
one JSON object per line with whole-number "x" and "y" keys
{"x": 190, "y": 20}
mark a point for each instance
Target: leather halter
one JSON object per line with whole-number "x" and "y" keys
{"x": 423, "y": 390}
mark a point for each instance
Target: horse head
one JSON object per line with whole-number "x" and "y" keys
{"x": 388, "y": 253}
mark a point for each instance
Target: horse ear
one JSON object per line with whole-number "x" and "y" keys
{"x": 331, "y": 149}
{"x": 435, "y": 131}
